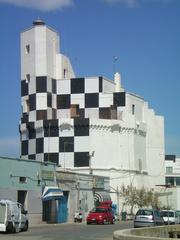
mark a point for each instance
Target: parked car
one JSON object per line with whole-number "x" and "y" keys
{"x": 100, "y": 215}
{"x": 170, "y": 217}
{"x": 147, "y": 218}
{"x": 13, "y": 217}
{"x": 178, "y": 213}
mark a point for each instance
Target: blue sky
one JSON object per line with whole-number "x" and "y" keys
{"x": 143, "y": 34}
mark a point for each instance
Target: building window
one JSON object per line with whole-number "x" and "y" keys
{"x": 170, "y": 157}
{"x": 24, "y": 147}
{"x": 27, "y": 78}
{"x": 177, "y": 181}
{"x": 169, "y": 170}
{"x": 74, "y": 110}
{"x": 24, "y": 88}
{"x": 22, "y": 179}
{"x": 170, "y": 181}
{"x": 27, "y": 49}
{"x": 41, "y": 115}
{"x": 65, "y": 73}
{"x": 133, "y": 109}
{"x": 27, "y": 106}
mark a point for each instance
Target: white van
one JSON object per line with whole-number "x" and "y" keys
{"x": 13, "y": 217}
{"x": 170, "y": 217}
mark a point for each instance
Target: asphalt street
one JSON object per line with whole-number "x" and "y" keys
{"x": 74, "y": 231}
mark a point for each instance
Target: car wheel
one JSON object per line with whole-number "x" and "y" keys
{"x": 25, "y": 228}
{"x": 10, "y": 228}
{"x": 105, "y": 221}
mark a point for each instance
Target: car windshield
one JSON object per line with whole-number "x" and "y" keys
{"x": 167, "y": 214}
{"x": 145, "y": 212}
{"x": 97, "y": 210}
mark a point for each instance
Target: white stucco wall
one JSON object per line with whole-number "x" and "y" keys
{"x": 131, "y": 150}
{"x": 28, "y": 60}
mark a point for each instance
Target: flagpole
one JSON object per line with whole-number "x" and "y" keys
{"x": 114, "y": 64}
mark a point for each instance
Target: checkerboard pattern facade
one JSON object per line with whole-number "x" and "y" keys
{"x": 55, "y": 123}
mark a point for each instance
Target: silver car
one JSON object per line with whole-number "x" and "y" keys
{"x": 147, "y": 218}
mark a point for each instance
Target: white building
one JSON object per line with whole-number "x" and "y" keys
{"x": 172, "y": 165}
{"x": 170, "y": 192}
{"x": 87, "y": 124}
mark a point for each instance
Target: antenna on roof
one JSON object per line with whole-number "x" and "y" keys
{"x": 115, "y": 58}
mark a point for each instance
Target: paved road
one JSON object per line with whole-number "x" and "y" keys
{"x": 74, "y": 231}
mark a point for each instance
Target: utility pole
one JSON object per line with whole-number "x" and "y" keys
{"x": 78, "y": 195}
{"x": 117, "y": 191}
{"x": 93, "y": 184}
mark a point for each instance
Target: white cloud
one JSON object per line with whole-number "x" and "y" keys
{"x": 43, "y": 5}
{"x": 10, "y": 146}
{"x": 132, "y": 3}
{"x": 51, "y": 5}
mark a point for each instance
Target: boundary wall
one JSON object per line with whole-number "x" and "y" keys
{"x": 148, "y": 233}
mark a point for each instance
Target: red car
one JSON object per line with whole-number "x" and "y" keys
{"x": 100, "y": 215}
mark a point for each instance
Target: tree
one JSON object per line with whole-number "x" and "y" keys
{"x": 129, "y": 195}
{"x": 139, "y": 197}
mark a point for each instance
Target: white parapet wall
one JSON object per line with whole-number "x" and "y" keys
{"x": 148, "y": 233}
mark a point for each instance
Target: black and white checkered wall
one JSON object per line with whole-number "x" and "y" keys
{"x": 48, "y": 133}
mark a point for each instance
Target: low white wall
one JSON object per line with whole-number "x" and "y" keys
{"x": 148, "y": 233}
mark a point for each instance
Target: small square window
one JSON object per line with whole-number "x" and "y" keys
{"x": 169, "y": 170}
{"x": 27, "y": 49}
{"x": 22, "y": 179}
